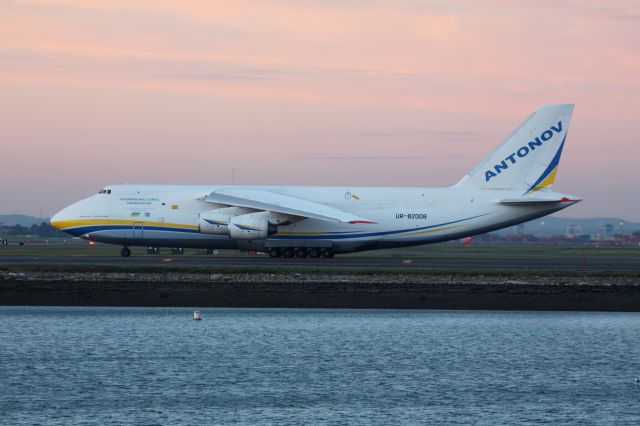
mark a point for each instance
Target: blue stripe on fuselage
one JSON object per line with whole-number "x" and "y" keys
{"x": 82, "y": 230}
{"x": 370, "y": 234}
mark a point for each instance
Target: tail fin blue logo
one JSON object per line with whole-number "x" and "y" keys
{"x": 522, "y": 152}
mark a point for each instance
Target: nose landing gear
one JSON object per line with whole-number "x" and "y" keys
{"x": 125, "y": 252}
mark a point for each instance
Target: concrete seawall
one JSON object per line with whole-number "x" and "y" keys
{"x": 318, "y": 290}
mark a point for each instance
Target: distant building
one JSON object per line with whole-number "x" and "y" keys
{"x": 573, "y": 231}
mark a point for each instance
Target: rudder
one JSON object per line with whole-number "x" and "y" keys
{"x": 528, "y": 158}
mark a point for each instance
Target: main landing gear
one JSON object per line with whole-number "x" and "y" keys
{"x": 125, "y": 252}
{"x": 301, "y": 252}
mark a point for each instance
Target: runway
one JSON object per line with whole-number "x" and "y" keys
{"x": 577, "y": 261}
{"x": 516, "y": 279}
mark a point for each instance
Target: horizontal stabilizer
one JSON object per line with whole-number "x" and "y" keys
{"x": 280, "y": 203}
{"x": 550, "y": 198}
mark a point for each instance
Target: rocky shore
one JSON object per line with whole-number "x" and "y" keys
{"x": 322, "y": 290}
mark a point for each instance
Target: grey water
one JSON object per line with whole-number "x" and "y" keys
{"x": 299, "y": 366}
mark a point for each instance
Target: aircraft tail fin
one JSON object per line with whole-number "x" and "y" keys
{"x": 528, "y": 158}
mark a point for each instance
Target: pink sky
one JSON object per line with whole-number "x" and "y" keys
{"x": 380, "y": 93}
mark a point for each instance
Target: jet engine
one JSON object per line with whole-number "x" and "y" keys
{"x": 253, "y": 226}
{"x": 214, "y": 223}
{"x": 240, "y": 223}
{"x": 217, "y": 221}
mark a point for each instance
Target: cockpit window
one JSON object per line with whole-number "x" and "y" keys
{"x": 104, "y": 191}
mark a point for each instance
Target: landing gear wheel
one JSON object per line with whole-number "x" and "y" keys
{"x": 125, "y": 252}
{"x": 327, "y": 253}
{"x": 275, "y": 252}
{"x": 300, "y": 252}
{"x": 314, "y": 252}
{"x": 287, "y": 252}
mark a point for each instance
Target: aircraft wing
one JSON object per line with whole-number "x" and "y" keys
{"x": 280, "y": 203}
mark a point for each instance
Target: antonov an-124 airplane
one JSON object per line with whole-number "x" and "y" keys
{"x": 511, "y": 185}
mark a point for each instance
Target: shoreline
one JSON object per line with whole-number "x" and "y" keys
{"x": 465, "y": 291}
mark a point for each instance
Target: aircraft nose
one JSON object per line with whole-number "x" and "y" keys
{"x": 57, "y": 220}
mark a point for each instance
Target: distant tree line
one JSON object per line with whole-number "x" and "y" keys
{"x": 44, "y": 230}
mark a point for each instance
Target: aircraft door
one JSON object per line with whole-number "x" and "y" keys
{"x": 138, "y": 229}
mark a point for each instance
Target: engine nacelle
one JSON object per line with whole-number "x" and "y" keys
{"x": 250, "y": 227}
{"x": 217, "y": 221}
{"x": 212, "y": 222}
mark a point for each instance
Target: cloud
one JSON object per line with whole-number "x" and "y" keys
{"x": 286, "y": 76}
{"x": 442, "y": 135}
{"x": 318, "y": 156}
{"x": 321, "y": 156}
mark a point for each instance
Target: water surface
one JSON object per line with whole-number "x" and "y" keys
{"x": 158, "y": 366}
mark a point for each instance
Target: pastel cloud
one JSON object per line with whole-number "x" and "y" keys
{"x": 282, "y": 78}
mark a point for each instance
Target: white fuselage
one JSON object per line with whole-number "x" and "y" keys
{"x": 169, "y": 216}
{"x": 511, "y": 185}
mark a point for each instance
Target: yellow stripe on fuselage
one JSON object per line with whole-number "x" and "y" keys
{"x": 406, "y": 233}
{"x": 433, "y": 230}
{"x": 67, "y": 224}
{"x": 302, "y": 233}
